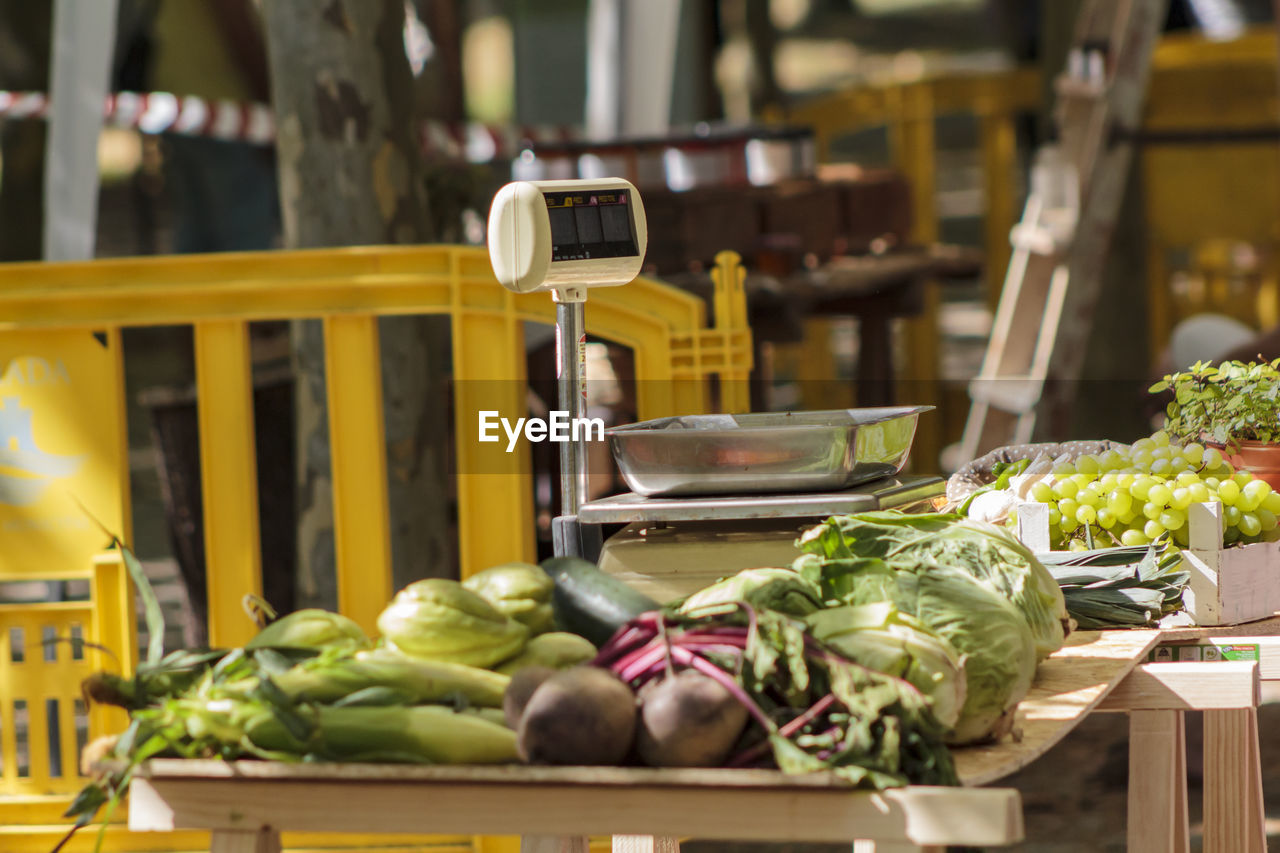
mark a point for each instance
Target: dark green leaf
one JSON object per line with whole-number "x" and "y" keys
{"x": 86, "y": 803}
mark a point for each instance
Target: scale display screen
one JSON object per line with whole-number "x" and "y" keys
{"x": 587, "y": 225}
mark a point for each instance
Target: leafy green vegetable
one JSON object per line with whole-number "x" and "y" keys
{"x": 999, "y": 654}
{"x": 910, "y": 543}
{"x": 1226, "y": 403}
{"x": 1119, "y": 587}
{"x": 813, "y": 709}
{"x": 966, "y": 583}
{"x": 172, "y": 674}
{"x": 887, "y": 640}
{"x": 782, "y": 590}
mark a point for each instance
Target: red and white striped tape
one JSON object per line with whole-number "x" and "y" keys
{"x": 188, "y": 115}
{"x": 161, "y": 112}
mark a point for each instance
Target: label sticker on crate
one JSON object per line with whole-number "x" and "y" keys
{"x": 1204, "y": 652}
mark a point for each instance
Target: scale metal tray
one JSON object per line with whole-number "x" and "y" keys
{"x": 765, "y": 451}
{"x": 886, "y": 493}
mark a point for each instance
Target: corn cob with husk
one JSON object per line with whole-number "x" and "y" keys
{"x": 425, "y": 734}
{"x": 326, "y": 679}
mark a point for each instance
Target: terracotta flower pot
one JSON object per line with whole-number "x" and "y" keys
{"x": 1258, "y": 458}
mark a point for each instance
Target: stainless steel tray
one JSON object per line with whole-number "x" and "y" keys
{"x": 889, "y": 493}
{"x": 764, "y": 453}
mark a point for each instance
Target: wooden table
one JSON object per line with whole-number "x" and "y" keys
{"x": 1234, "y": 811}
{"x": 247, "y": 804}
{"x": 1069, "y": 685}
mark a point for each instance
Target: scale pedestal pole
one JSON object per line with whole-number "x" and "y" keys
{"x": 571, "y": 372}
{"x": 565, "y": 237}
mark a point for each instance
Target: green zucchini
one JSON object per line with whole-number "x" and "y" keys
{"x": 589, "y": 602}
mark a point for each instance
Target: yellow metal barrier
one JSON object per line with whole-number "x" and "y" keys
{"x": 62, "y": 464}
{"x": 48, "y": 316}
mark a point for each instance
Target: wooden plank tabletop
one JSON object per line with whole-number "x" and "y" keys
{"x": 1260, "y": 628}
{"x": 1068, "y": 685}
{"x": 756, "y": 805}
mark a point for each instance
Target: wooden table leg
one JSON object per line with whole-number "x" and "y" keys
{"x": 645, "y": 844}
{"x": 264, "y": 840}
{"x": 1157, "y": 808}
{"x": 1234, "y": 818}
{"x": 553, "y": 844}
{"x": 1181, "y": 817}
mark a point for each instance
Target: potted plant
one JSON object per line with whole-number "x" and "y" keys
{"x": 1232, "y": 406}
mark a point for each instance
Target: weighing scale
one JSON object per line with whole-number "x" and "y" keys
{"x": 565, "y": 237}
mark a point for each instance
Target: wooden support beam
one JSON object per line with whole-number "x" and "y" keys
{"x": 1186, "y": 687}
{"x": 1234, "y": 817}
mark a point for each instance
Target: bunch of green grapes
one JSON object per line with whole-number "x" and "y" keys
{"x": 1134, "y": 495}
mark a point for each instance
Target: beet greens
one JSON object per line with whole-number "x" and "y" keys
{"x": 810, "y": 708}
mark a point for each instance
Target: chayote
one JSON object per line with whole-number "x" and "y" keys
{"x": 311, "y": 629}
{"x": 556, "y": 649}
{"x": 520, "y": 590}
{"x": 442, "y": 620}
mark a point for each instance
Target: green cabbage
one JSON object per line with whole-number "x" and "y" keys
{"x": 988, "y": 632}
{"x": 881, "y": 637}
{"x": 993, "y": 637}
{"x": 911, "y": 542}
{"x": 441, "y": 619}
{"x": 520, "y": 590}
{"x": 782, "y": 590}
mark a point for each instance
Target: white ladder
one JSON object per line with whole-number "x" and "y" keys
{"x": 1041, "y": 328}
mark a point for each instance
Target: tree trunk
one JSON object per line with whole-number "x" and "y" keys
{"x": 24, "y": 65}
{"x": 350, "y": 173}
{"x": 441, "y": 80}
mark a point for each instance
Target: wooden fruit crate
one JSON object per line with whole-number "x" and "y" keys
{"x": 1228, "y": 586}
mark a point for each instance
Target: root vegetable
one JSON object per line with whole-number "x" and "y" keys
{"x": 582, "y": 716}
{"x": 521, "y": 689}
{"x": 688, "y": 720}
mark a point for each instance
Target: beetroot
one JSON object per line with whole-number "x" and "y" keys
{"x": 583, "y": 715}
{"x": 688, "y": 720}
